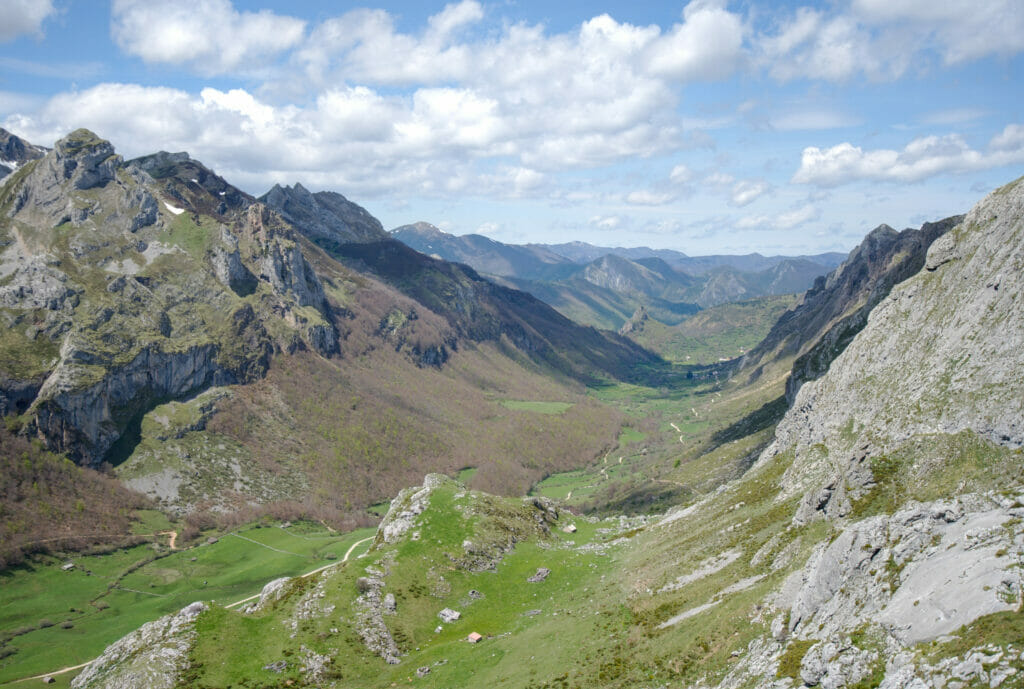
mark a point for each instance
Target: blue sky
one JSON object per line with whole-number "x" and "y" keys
{"x": 706, "y": 127}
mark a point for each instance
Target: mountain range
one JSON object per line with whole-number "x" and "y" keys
{"x": 603, "y": 286}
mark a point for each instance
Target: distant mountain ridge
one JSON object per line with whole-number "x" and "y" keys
{"x": 582, "y": 252}
{"x": 604, "y": 286}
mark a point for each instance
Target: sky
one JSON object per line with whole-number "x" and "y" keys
{"x": 704, "y": 126}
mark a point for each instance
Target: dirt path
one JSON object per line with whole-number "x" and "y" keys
{"x": 677, "y": 431}
{"x": 308, "y": 574}
{"x": 51, "y": 674}
{"x": 173, "y": 538}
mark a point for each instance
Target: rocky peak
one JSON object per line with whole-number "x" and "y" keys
{"x": 85, "y": 159}
{"x": 423, "y": 229}
{"x": 160, "y": 160}
{"x": 325, "y": 216}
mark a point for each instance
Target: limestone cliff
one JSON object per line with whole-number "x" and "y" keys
{"x": 120, "y": 290}
{"x": 942, "y": 354}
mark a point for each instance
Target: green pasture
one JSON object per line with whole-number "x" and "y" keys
{"x": 107, "y": 596}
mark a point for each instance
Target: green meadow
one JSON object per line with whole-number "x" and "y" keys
{"x": 57, "y": 618}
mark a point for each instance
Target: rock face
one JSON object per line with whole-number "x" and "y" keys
{"x": 941, "y": 354}
{"x": 324, "y": 216}
{"x": 151, "y": 657}
{"x": 920, "y": 573}
{"x": 123, "y": 301}
{"x": 828, "y": 316}
{"x": 407, "y": 506}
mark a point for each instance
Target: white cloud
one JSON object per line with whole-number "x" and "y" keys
{"x": 680, "y": 174}
{"x": 746, "y": 192}
{"x": 921, "y": 158}
{"x": 606, "y": 222}
{"x": 1010, "y": 140}
{"x": 798, "y": 216}
{"x": 719, "y": 179}
{"x": 782, "y": 221}
{"x": 820, "y": 47}
{"x": 11, "y": 102}
{"x": 803, "y": 120}
{"x": 646, "y": 197}
{"x": 18, "y": 17}
{"x": 959, "y": 29}
{"x": 209, "y": 35}
{"x": 707, "y": 45}
{"x": 881, "y": 39}
{"x": 355, "y": 138}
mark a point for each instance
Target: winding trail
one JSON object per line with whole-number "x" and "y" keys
{"x": 173, "y": 538}
{"x": 309, "y": 574}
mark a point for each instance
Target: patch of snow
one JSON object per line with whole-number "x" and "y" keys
{"x": 195, "y": 181}
{"x": 222, "y": 193}
{"x": 174, "y": 209}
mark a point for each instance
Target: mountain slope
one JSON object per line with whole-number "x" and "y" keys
{"x": 834, "y": 310}
{"x": 940, "y": 355}
{"x": 147, "y": 301}
{"x": 483, "y": 311}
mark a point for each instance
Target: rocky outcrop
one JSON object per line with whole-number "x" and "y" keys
{"x": 370, "y": 608}
{"x": 941, "y": 354}
{"x": 871, "y": 604}
{"x": 152, "y": 657}
{"x": 324, "y": 216}
{"x": 920, "y": 573}
{"x": 36, "y": 283}
{"x": 274, "y": 256}
{"x": 406, "y": 507}
{"x": 51, "y": 192}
